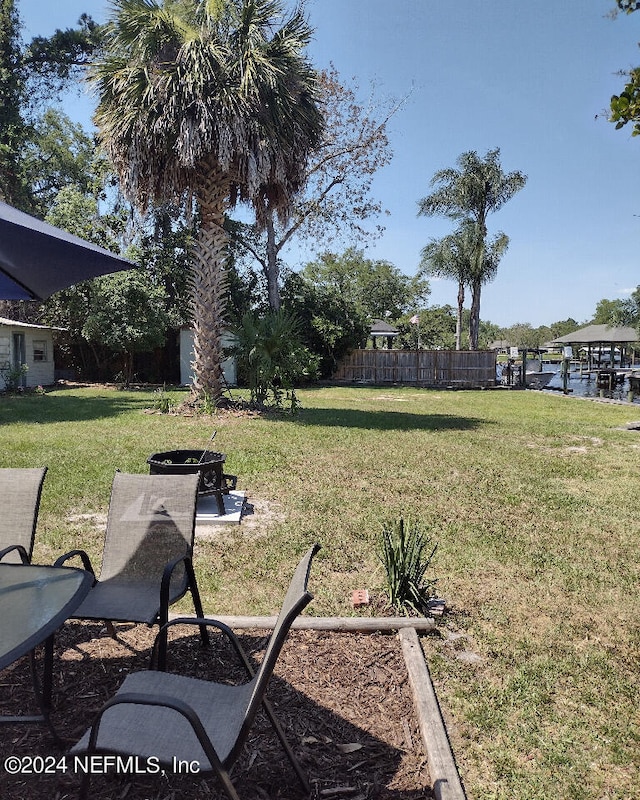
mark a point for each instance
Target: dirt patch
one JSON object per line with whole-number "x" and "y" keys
{"x": 258, "y": 515}
{"x": 343, "y": 698}
{"x": 582, "y": 446}
{"x": 389, "y": 398}
{"x": 98, "y": 521}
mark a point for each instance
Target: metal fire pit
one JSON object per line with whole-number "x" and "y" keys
{"x": 209, "y": 465}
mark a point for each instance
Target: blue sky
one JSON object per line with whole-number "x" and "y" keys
{"x": 532, "y": 78}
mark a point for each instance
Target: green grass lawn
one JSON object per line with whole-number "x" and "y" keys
{"x": 532, "y": 499}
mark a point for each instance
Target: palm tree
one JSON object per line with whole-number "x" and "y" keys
{"x": 452, "y": 257}
{"x": 477, "y": 188}
{"x": 208, "y": 101}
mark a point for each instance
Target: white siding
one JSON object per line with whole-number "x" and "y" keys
{"x": 39, "y": 373}
{"x": 187, "y": 356}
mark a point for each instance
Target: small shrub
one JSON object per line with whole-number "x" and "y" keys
{"x": 162, "y": 402}
{"x": 271, "y": 359}
{"x": 406, "y": 555}
{"x": 13, "y": 375}
{"x": 207, "y": 404}
{"x": 294, "y": 403}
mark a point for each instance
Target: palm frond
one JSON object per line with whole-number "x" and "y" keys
{"x": 224, "y": 83}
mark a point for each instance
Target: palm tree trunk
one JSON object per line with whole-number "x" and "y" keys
{"x": 476, "y": 286}
{"x": 208, "y": 290}
{"x": 272, "y": 268}
{"x": 459, "y": 315}
{"x": 474, "y": 319}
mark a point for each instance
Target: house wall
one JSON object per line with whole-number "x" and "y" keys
{"x": 187, "y": 356}
{"x": 39, "y": 372}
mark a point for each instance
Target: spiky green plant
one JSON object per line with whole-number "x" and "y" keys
{"x": 406, "y": 555}
{"x": 271, "y": 357}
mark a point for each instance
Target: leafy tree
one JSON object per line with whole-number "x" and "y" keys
{"x": 335, "y": 200}
{"x": 212, "y": 101}
{"x": 127, "y": 315}
{"x": 376, "y": 288}
{"x": 625, "y": 107}
{"x": 55, "y": 62}
{"x": 247, "y": 286}
{"x": 437, "y": 329}
{"x": 27, "y": 77}
{"x": 164, "y": 253}
{"x": 476, "y": 188}
{"x": 60, "y": 154}
{"x": 610, "y": 312}
{"x": 631, "y": 310}
{"x": 330, "y": 323}
{"x": 488, "y": 333}
{"x": 13, "y": 128}
{"x": 524, "y": 335}
{"x": 70, "y": 308}
{"x": 145, "y": 302}
{"x": 562, "y": 327}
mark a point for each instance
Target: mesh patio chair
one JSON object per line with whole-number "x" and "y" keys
{"x": 147, "y": 557}
{"x": 181, "y": 719}
{"x": 20, "y": 491}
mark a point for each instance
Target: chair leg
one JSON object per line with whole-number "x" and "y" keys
{"x": 286, "y": 746}
{"x": 84, "y": 786}
{"x": 228, "y": 787}
{"x": 111, "y": 630}
{"x": 44, "y": 691}
{"x": 197, "y": 604}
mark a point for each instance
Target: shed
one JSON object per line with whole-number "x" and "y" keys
{"x": 24, "y": 344}
{"x": 229, "y": 367}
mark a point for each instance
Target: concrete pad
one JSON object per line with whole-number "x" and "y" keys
{"x": 207, "y": 509}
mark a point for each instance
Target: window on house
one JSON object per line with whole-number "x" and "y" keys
{"x": 39, "y": 350}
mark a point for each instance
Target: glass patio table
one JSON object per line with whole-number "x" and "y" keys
{"x": 34, "y": 603}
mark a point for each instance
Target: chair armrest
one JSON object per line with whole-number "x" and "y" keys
{"x": 82, "y": 555}
{"x": 18, "y": 548}
{"x": 210, "y": 623}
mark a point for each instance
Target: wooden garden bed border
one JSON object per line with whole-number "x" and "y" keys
{"x": 442, "y": 766}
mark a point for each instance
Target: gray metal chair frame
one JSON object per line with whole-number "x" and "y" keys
{"x": 20, "y": 491}
{"x": 147, "y": 557}
{"x": 176, "y": 718}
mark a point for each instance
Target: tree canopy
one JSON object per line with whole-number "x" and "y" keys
{"x": 30, "y": 77}
{"x": 625, "y": 107}
{"x": 335, "y": 202}
{"x": 376, "y": 287}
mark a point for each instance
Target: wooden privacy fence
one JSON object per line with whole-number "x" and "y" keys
{"x": 460, "y": 369}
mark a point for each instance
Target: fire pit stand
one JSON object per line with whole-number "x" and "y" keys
{"x": 208, "y": 464}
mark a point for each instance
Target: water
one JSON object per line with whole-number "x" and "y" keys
{"x": 588, "y": 387}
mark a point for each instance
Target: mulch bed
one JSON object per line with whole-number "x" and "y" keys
{"x": 343, "y": 698}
